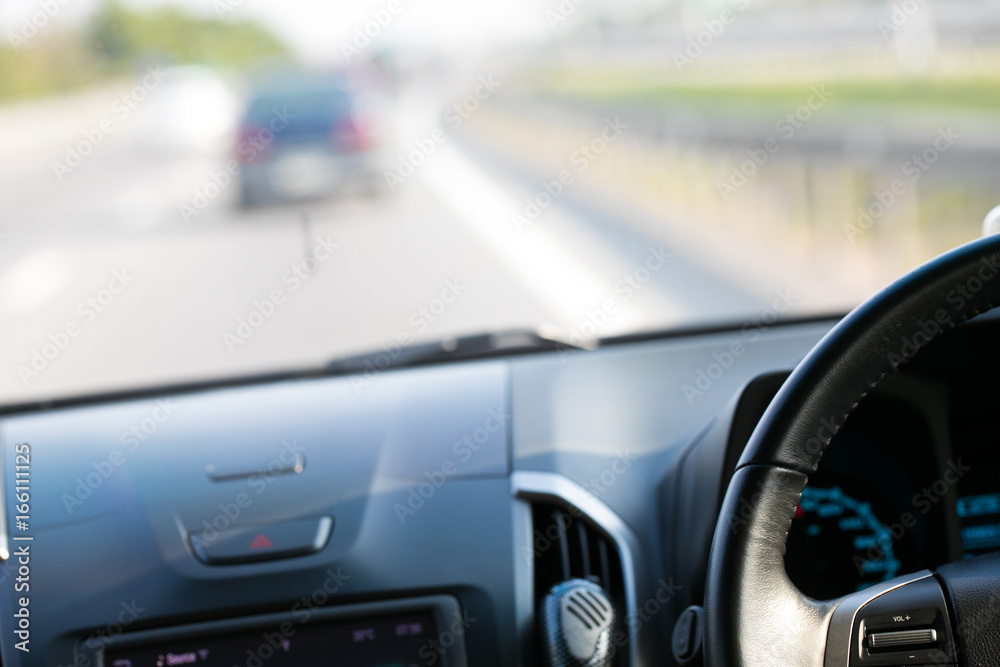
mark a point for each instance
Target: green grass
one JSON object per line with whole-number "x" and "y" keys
{"x": 971, "y": 93}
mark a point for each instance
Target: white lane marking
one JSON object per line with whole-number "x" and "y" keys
{"x": 559, "y": 279}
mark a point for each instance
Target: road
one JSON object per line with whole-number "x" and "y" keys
{"x": 104, "y": 285}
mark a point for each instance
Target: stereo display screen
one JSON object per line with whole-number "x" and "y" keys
{"x": 399, "y": 640}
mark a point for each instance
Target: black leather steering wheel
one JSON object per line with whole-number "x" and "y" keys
{"x": 754, "y": 615}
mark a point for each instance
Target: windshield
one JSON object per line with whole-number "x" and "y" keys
{"x": 196, "y": 190}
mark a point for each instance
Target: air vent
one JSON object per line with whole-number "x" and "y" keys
{"x": 568, "y": 545}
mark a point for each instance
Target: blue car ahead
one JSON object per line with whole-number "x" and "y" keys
{"x": 307, "y": 138}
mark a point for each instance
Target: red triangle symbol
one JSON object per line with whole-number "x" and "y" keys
{"x": 261, "y": 542}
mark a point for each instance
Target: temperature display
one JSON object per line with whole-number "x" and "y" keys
{"x": 400, "y": 639}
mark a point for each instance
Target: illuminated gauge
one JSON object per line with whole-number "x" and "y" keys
{"x": 837, "y": 545}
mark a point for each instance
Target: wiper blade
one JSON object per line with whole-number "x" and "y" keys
{"x": 476, "y": 346}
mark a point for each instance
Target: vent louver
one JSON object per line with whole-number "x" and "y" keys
{"x": 568, "y": 545}
{"x": 589, "y": 608}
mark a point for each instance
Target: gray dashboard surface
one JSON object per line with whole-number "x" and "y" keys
{"x": 414, "y": 470}
{"x": 578, "y": 413}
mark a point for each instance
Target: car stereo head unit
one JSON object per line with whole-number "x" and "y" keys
{"x": 382, "y": 634}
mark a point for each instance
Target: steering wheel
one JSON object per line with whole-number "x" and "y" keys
{"x": 754, "y": 615}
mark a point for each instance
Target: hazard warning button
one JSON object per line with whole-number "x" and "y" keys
{"x": 246, "y": 543}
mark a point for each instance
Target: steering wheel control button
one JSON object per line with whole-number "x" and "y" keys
{"x": 903, "y": 640}
{"x": 907, "y": 625}
{"x": 250, "y": 543}
{"x": 902, "y": 620}
{"x": 686, "y": 640}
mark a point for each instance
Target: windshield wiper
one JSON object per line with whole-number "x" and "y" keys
{"x": 476, "y": 346}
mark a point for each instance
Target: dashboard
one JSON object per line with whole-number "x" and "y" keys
{"x": 422, "y": 518}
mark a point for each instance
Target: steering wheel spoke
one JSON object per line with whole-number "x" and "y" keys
{"x": 903, "y": 621}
